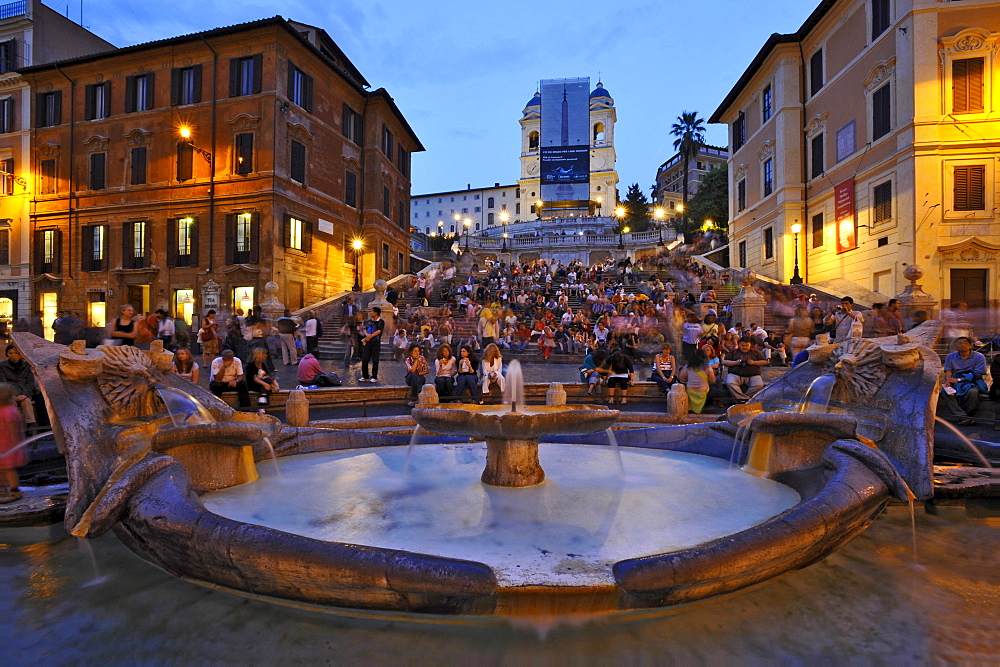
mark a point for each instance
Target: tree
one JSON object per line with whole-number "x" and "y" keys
{"x": 689, "y": 131}
{"x": 636, "y": 209}
{"x": 711, "y": 202}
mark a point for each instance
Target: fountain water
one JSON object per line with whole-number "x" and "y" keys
{"x": 27, "y": 441}
{"x": 513, "y": 392}
{"x": 417, "y": 432}
{"x": 183, "y": 408}
{"x": 817, "y": 398}
{"x": 610, "y": 432}
{"x": 965, "y": 441}
{"x": 274, "y": 457}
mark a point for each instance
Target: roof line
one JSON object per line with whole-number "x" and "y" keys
{"x": 449, "y": 192}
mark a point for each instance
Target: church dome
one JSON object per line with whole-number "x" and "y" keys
{"x": 600, "y": 91}
{"x": 534, "y": 101}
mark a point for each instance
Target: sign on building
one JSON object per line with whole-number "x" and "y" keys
{"x": 565, "y": 140}
{"x": 847, "y": 225}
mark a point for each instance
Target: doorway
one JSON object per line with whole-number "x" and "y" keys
{"x": 50, "y": 311}
{"x": 970, "y": 286}
{"x": 242, "y": 298}
{"x": 97, "y": 310}
{"x": 138, "y": 297}
{"x": 184, "y": 304}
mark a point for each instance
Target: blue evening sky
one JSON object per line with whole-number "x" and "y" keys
{"x": 461, "y": 72}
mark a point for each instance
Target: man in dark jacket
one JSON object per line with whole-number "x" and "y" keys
{"x": 16, "y": 371}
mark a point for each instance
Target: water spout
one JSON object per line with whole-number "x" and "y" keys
{"x": 817, "y": 398}
{"x": 183, "y": 408}
{"x": 27, "y": 441}
{"x": 417, "y": 432}
{"x": 513, "y": 392}
{"x": 965, "y": 441}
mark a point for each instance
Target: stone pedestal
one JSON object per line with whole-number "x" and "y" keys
{"x": 428, "y": 395}
{"x": 748, "y": 305}
{"x": 555, "y": 395}
{"x": 677, "y": 402}
{"x": 390, "y": 320}
{"x": 512, "y": 463}
{"x": 297, "y": 408}
{"x": 914, "y": 298}
{"x": 270, "y": 306}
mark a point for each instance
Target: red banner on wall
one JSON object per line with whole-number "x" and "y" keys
{"x": 847, "y": 226}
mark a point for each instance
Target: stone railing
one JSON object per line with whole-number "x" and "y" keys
{"x": 629, "y": 240}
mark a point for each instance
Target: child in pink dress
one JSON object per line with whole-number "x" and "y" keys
{"x": 11, "y": 433}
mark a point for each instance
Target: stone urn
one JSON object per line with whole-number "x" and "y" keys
{"x": 78, "y": 363}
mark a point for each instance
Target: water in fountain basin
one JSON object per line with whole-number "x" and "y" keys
{"x": 817, "y": 398}
{"x": 513, "y": 392}
{"x": 965, "y": 441}
{"x": 85, "y": 547}
{"x": 417, "y": 432}
{"x": 182, "y": 407}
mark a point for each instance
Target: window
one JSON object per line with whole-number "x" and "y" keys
{"x": 48, "y": 109}
{"x": 245, "y": 75}
{"x": 5, "y": 245}
{"x": 244, "y": 153}
{"x": 768, "y": 176}
{"x": 182, "y": 242}
{"x": 883, "y": 241}
{"x": 517, "y": 209}
{"x": 881, "y": 109}
{"x": 739, "y": 131}
{"x": 817, "y": 230}
{"x": 741, "y": 195}
{"x": 970, "y": 191}
{"x": 351, "y": 189}
{"x": 47, "y": 186}
{"x": 94, "y": 247}
{"x": 743, "y": 253}
{"x": 135, "y": 245}
{"x": 967, "y": 85}
{"x": 399, "y": 262}
{"x": 185, "y": 85}
{"x": 48, "y": 251}
{"x": 298, "y": 234}
{"x": 766, "y": 105}
{"x": 845, "y": 141}
{"x": 8, "y": 56}
{"x": 97, "y": 101}
{"x": 242, "y": 238}
{"x": 7, "y": 115}
{"x": 138, "y": 166}
{"x": 300, "y": 88}
{"x": 769, "y": 243}
{"x": 880, "y": 17}
{"x": 353, "y": 126}
{"x": 489, "y": 218}
{"x": 139, "y": 92}
{"x": 385, "y": 200}
{"x": 816, "y": 72}
{"x": 387, "y": 142}
{"x": 298, "y": 166}
{"x": 185, "y": 161}
{"x": 816, "y": 156}
{"x": 8, "y": 177}
{"x": 882, "y": 203}
{"x": 98, "y": 170}
{"x": 533, "y": 140}
{"x": 490, "y": 203}
{"x": 348, "y": 250}
{"x": 400, "y": 213}
{"x": 403, "y": 162}
{"x": 385, "y": 256}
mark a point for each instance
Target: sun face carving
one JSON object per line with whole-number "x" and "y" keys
{"x": 126, "y": 380}
{"x": 857, "y": 364}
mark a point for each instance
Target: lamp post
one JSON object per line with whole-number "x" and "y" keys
{"x": 538, "y": 208}
{"x": 600, "y": 200}
{"x": 620, "y": 214}
{"x": 357, "y": 245}
{"x": 504, "y": 216}
{"x": 467, "y": 223}
{"x": 659, "y": 224}
{"x": 796, "y": 278}
{"x": 185, "y": 132}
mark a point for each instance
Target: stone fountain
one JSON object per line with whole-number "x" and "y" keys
{"x": 188, "y": 491}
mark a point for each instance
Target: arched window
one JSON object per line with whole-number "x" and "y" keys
{"x": 598, "y": 132}
{"x": 517, "y": 209}
{"x": 533, "y": 140}
{"x": 427, "y": 230}
{"x": 517, "y": 193}
{"x": 489, "y": 203}
{"x": 489, "y": 220}
{"x": 477, "y": 224}
{"x": 453, "y": 229}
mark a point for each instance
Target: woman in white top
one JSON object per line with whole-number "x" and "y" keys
{"x": 492, "y": 369}
{"x": 184, "y": 365}
{"x": 445, "y": 370}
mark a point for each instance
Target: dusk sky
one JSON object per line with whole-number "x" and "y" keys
{"x": 462, "y": 72}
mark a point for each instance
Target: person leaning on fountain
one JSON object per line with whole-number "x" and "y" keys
{"x": 227, "y": 375}
{"x": 743, "y": 365}
{"x": 963, "y": 383}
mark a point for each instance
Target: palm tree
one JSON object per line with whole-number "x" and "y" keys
{"x": 689, "y": 131}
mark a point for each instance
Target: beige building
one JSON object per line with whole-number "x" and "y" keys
{"x": 668, "y": 191}
{"x": 875, "y": 127}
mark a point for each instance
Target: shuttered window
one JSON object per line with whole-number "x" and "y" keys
{"x": 967, "y": 85}
{"x": 882, "y": 203}
{"x": 48, "y": 109}
{"x": 816, "y": 73}
{"x": 881, "y": 17}
{"x": 7, "y": 115}
{"x": 185, "y": 161}
{"x": 138, "y": 166}
{"x": 135, "y": 245}
{"x": 185, "y": 85}
{"x": 298, "y": 166}
{"x": 386, "y": 200}
{"x": 244, "y": 153}
{"x": 182, "y": 242}
{"x": 5, "y": 245}
{"x": 816, "y": 156}
{"x": 353, "y": 125}
{"x": 769, "y": 243}
{"x": 97, "y": 101}
{"x": 351, "y": 189}
{"x": 242, "y": 238}
{"x": 47, "y": 178}
{"x": 970, "y": 190}
{"x": 48, "y": 251}
{"x": 298, "y": 234}
{"x": 245, "y": 75}
{"x": 8, "y": 56}
{"x": 817, "y": 230}
{"x": 881, "y": 112}
{"x": 300, "y": 88}
{"x": 739, "y": 131}
{"x": 94, "y": 247}
{"x": 8, "y": 177}
{"x": 98, "y": 171}
{"x": 139, "y": 93}
{"x": 741, "y": 194}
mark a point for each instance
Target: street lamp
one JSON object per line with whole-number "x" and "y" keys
{"x": 600, "y": 200}
{"x": 357, "y": 245}
{"x": 796, "y": 278}
{"x": 440, "y": 227}
{"x": 659, "y": 223}
{"x": 620, "y": 214}
{"x": 467, "y": 223}
{"x": 538, "y": 208}
{"x": 504, "y": 217}
{"x": 185, "y": 133}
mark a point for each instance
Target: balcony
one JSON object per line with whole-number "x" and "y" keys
{"x": 12, "y": 9}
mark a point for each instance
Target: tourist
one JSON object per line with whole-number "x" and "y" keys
{"x": 260, "y": 378}
{"x": 492, "y": 369}
{"x": 371, "y": 345}
{"x": 351, "y": 331}
{"x": 964, "y": 370}
{"x": 400, "y": 344}
{"x": 286, "y": 336}
{"x": 691, "y": 333}
{"x": 184, "y": 365}
{"x": 227, "y": 375}
{"x": 708, "y": 296}
{"x": 17, "y": 373}
{"x": 590, "y": 372}
{"x": 310, "y": 372}
{"x": 312, "y": 330}
{"x": 487, "y": 327}
{"x": 182, "y": 331}
{"x": 743, "y": 366}
{"x": 798, "y": 332}
{"x": 846, "y": 322}
{"x": 167, "y": 329}
{"x": 880, "y": 321}
{"x": 895, "y": 318}
{"x": 123, "y": 328}
{"x": 208, "y": 335}
{"x": 664, "y": 368}
{"x": 712, "y": 360}
{"x": 416, "y": 369}
{"x": 468, "y": 378}
{"x": 698, "y": 379}
{"x": 774, "y": 348}
{"x": 11, "y": 435}
{"x": 620, "y": 375}
{"x": 445, "y": 370}
{"x": 710, "y": 330}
